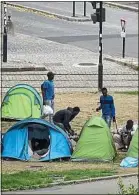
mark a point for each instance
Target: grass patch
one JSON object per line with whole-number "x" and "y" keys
{"x": 32, "y": 179}
{"x": 84, "y": 174}
{"x": 128, "y": 92}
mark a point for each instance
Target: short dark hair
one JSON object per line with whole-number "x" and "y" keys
{"x": 129, "y": 122}
{"x": 49, "y": 74}
{"x": 76, "y": 109}
{"x": 103, "y": 89}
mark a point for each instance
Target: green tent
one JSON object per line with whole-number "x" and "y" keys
{"x": 133, "y": 148}
{"x": 20, "y": 102}
{"x": 95, "y": 142}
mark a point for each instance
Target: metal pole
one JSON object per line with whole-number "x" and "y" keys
{"x": 100, "y": 66}
{"x": 73, "y": 8}
{"x": 5, "y": 34}
{"x": 123, "y": 46}
{"x": 84, "y": 8}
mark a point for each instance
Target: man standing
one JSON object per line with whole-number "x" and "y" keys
{"x": 48, "y": 95}
{"x": 107, "y": 106}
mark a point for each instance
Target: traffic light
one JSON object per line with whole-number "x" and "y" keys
{"x": 96, "y": 16}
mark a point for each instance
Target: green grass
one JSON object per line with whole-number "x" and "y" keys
{"x": 33, "y": 179}
{"x": 128, "y": 92}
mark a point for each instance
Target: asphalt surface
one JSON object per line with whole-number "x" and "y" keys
{"x": 83, "y": 34}
{"x": 98, "y": 187}
{"x": 130, "y": 3}
{"x": 59, "y": 46}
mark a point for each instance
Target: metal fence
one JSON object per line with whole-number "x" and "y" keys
{"x": 68, "y": 81}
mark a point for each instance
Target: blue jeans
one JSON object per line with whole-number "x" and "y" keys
{"x": 108, "y": 119}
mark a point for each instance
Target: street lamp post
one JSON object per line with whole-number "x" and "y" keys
{"x": 5, "y": 34}
{"x": 100, "y": 66}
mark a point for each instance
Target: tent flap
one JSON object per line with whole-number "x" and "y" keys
{"x": 14, "y": 143}
{"x": 133, "y": 148}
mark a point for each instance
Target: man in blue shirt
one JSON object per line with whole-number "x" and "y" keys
{"x": 107, "y": 106}
{"x": 48, "y": 95}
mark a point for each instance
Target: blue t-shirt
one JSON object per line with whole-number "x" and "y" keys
{"x": 107, "y": 105}
{"x": 48, "y": 87}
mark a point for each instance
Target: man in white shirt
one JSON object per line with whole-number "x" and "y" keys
{"x": 122, "y": 137}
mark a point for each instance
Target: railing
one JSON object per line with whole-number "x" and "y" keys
{"x": 72, "y": 80}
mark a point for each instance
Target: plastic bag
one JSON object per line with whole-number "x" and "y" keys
{"x": 47, "y": 110}
{"x": 129, "y": 162}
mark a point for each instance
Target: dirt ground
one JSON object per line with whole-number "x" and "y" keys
{"x": 16, "y": 166}
{"x": 126, "y": 108}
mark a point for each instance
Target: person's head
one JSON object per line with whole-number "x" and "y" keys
{"x": 75, "y": 111}
{"x": 104, "y": 91}
{"x": 50, "y": 76}
{"x": 129, "y": 124}
{"x": 9, "y": 17}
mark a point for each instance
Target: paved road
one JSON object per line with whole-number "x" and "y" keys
{"x": 32, "y": 46}
{"x": 98, "y": 187}
{"x": 130, "y": 3}
{"x": 84, "y": 34}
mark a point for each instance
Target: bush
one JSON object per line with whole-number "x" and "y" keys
{"x": 130, "y": 190}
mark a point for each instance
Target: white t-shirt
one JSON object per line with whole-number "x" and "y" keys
{"x": 135, "y": 127}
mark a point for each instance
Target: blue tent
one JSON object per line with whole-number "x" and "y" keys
{"x": 16, "y": 140}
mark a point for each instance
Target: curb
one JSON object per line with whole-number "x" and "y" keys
{"x": 21, "y": 69}
{"x": 94, "y": 179}
{"x": 74, "y": 19}
{"x": 78, "y": 181}
{"x": 68, "y": 18}
{"x": 124, "y": 63}
{"x": 126, "y": 7}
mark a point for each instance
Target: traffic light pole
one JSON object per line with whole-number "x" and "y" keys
{"x": 100, "y": 66}
{"x": 73, "y": 9}
{"x": 123, "y": 53}
{"x": 5, "y": 34}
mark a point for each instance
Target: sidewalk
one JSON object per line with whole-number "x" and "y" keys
{"x": 76, "y": 69}
{"x": 64, "y": 10}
